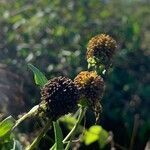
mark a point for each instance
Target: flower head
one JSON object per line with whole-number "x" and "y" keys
{"x": 101, "y": 48}
{"x": 60, "y": 95}
{"x": 90, "y": 85}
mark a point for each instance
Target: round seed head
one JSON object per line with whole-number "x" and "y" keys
{"x": 102, "y": 48}
{"x": 60, "y": 95}
{"x": 90, "y": 85}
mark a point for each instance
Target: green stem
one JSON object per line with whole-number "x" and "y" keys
{"x": 40, "y": 136}
{"x": 34, "y": 111}
{"x": 68, "y": 145}
{"x": 31, "y": 113}
{"x": 72, "y": 132}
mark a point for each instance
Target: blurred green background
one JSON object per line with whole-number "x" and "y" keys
{"x": 53, "y": 34}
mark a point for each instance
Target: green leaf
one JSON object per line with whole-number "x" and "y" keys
{"x": 17, "y": 145}
{"x": 69, "y": 121}
{"x": 91, "y": 135}
{"x": 39, "y": 77}
{"x": 58, "y": 136}
{"x": 103, "y": 137}
{"x": 96, "y": 133}
{"x": 6, "y": 125}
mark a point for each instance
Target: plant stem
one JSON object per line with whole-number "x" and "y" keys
{"x": 134, "y": 132}
{"x": 40, "y": 136}
{"x": 120, "y": 147}
{"x": 72, "y": 132}
{"x": 68, "y": 145}
{"x": 31, "y": 113}
{"x": 34, "y": 111}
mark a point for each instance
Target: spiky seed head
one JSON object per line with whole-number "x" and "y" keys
{"x": 90, "y": 85}
{"x": 60, "y": 95}
{"x": 101, "y": 48}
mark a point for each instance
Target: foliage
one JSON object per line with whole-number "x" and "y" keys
{"x": 39, "y": 77}
{"x": 6, "y": 125}
{"x": 96, "y": 133}
{"x": 58, "y": 136}
{"x": 53, "y": 36}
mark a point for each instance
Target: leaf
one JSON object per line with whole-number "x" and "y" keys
{"x": 6, "y": 125}
{"x": 17, "y": 145}
{"x": 39, "y": 77}
{"x": 91, "y": 135}
{"x": 103, "y": 136}
{"x": 69, "y": 121}
{"x": 96, "y": 133}
{"x": 58, "y": 136}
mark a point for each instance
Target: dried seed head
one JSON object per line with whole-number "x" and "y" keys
{"x": 101, "y": 47}
{"x": 90, "y": 85}
{"x": 60, "y": 95}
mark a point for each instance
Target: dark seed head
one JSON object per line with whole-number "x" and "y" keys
{"x": 60, "y": 95}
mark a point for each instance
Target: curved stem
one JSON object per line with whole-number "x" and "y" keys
{"x": 40, "y": 136}
{"x": 34, "y": 111}
{"x": 31, "y": 113}
{"x": 72, "y": 132}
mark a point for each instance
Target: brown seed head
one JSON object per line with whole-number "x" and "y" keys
{"x": 101, "y": 47}
{"x": 90, "y": 85}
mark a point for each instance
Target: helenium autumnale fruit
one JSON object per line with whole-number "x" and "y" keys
{"x": 100, "y": 50}
{"x": 60, "y": 95}
{"x": 90, "y": 86}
